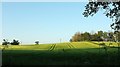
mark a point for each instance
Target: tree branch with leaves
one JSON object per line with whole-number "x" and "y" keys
{"x": 112, "y": 10}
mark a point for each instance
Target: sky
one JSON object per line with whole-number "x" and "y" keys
{"x": 45, "y": 0}
{"x": 48, "y": 22}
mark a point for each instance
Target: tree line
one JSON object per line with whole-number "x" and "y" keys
{"x": 99, "y": 36}
{"x": 14, "y": 42}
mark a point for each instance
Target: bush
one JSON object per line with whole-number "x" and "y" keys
{"x": 15, "y": 42}
{"x": 36, "y": 42}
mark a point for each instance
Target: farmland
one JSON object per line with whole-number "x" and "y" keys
{"x": 74, "y": 53}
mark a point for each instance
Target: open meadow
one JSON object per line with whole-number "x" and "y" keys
{"x": 74, "y": 53}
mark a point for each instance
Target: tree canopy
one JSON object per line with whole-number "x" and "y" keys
{"x": 15, "y": 42}
{"x": 112, "y": 10}
{"x": 99, "y": 36}
{"x": 36, "y": 42}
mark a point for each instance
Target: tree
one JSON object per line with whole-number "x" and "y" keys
{"x": 99, "y": 36}
{"x": 105, "y": 36}
{"x": 76, "y": 37}
{"x": 15, "y": 42}
{"x": 100, "y": 33}
{"x": 36, "y": 42}
{"x": 112, "y": 10}
{"x": 70, "y": 40}
{"x": 5, "y": 43}
{"x": 119, "y": 36}
{"x": 86, "y": 36}
{"x": 110, "y": 36}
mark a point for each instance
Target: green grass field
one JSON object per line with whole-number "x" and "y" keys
{"x": 75, "y": 53}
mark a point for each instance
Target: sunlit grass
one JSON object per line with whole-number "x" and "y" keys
{"x": 84, "y": 45}
{"x": 68, "y": 45}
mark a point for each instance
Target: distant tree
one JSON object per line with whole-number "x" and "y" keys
{"x": 5, "y": 43}
{"x": 119, "y": 36}
{"x": 36, "y": 42}
{"x": 82, "y": 38}
{"x": 99, "y": 36}
{"x": 86, "y": 36}
{"x": 110, "y": 36}
{"x": 105, "y": 36}
{"x": 76, "y": 37}
{"x": 96, "y": 37}
{"x": 15, "y": 42}
{"x": 100, "y": 33}
{"x": 70, "y": 40}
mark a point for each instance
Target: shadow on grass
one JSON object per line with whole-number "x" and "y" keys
{"x": 88, "y": 56}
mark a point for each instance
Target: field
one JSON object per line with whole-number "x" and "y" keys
{"x": 75, "y": 53}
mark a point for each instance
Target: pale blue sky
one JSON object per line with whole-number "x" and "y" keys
{"x": 44, "y": 0}
{"x": 48, "y": 21}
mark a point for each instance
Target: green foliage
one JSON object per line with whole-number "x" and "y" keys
{"x": 119, "y": 36}
{"x": 5, "y": 42}
{"x": 86, "y": 36}
{"x": 76, "y": 37}
{"x": 15, "y": 42}
{"x": 36, "y": 42}
{"x": 99, "y": 36}
{"x": 112, "y": 10}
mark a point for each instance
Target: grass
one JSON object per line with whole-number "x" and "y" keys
{"x": 75, "y": 53}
